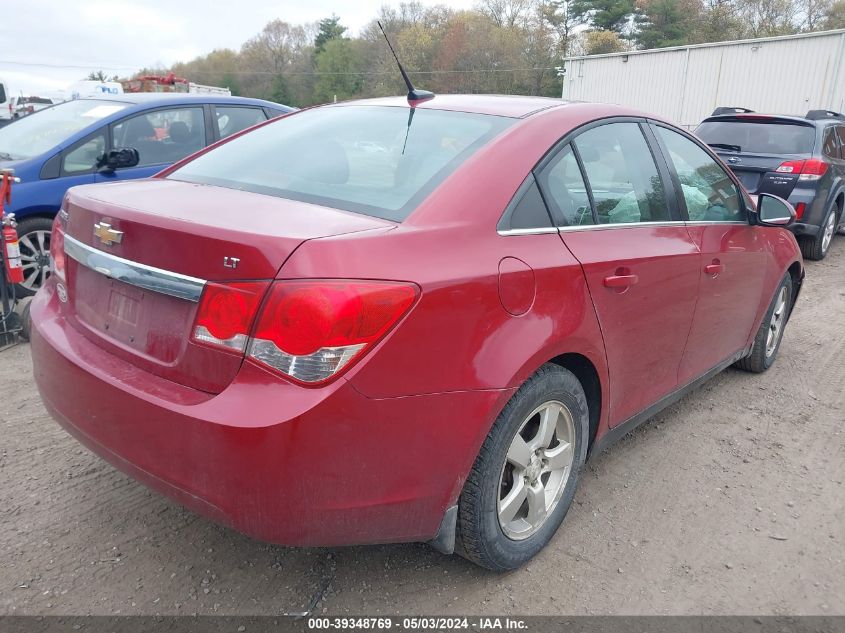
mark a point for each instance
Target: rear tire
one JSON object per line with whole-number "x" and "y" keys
{"x": 764, "y": 350}
{"x": 521, "y": 485}
{"x": 816, "y": 248}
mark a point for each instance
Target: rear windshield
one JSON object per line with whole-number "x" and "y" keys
{"x": 758, "y": 138}
{"x": 376, "y": 160}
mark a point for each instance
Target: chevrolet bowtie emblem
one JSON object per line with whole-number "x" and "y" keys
{"x": 107, "y": 234}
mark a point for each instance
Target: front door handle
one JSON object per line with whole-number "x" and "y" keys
{"x": 621, "y": 281}
{"x": 714, "y": 268}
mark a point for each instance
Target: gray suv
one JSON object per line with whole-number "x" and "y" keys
{"x": 800, "y": 159}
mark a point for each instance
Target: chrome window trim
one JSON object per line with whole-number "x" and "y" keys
{"x": 709, "y": 222}
{"x": 619, "y": 225}
{"x": 135, "y": 274}
{"x": 543, "y": 230}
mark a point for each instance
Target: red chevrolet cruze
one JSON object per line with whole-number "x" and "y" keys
{"x": 370, "y": 323}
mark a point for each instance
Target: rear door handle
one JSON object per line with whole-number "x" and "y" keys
{"x": 714, "y": 269}
{"x": 621, "y": 281}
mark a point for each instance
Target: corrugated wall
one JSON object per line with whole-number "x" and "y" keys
{"x": 787, "y": 75}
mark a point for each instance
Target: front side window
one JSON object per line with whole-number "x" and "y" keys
{"x": 162, "y": 136}
{"x": 709, "y": 193}
{"x": 376, "y": 160}
{"x": 231, "y": 119}
{"x": 83, "y": 158}
{"x": 840, "y": 131}
{"x": 622, "y": 175}
{"x": 565, "y": 188}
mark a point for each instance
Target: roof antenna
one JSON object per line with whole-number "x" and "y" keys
{"x": 415, "y": 95}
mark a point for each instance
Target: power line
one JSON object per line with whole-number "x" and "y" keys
{"x": 289, "y": 73}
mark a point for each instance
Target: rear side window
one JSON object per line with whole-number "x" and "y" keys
{"x": 758, "y": 137}
{"x": 829, "y": 147}
{"x": 709, "y": 193}
{"x": 231, "y": 119}
{"x": 565, "y": 188}
{"x": 527, "y": 210}
{"x": 840, "y": 131}
{"x": 162, "y": 136}
{"x": 622, "y": 175}
{"x": 376, "y": 160}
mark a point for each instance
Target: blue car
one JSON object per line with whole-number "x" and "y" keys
{"x": 80, "y": 142}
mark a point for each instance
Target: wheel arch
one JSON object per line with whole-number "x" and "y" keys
{"x": 588, "y": 376}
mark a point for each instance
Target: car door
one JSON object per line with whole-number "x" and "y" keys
{"x": 733, "y": 261}
{"x": 162, "y": 137}
{"x": 609, "y": 196}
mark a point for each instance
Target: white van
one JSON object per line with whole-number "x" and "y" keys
{"x": 5, "y": 102}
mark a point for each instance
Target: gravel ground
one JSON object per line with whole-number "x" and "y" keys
{"x": 730, "y": 502}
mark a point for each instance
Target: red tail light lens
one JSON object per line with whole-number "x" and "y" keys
{"x": 58, "y": 261}
{"x": 225, "y": 313}
{"x": 311, "y": 330}
{"x": 811, "y": 169}
{"x": 799, "y": 210}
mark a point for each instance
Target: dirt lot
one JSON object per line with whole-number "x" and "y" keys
{"x": 730, "y": 502}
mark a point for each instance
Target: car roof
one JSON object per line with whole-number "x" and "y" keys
{"x": 515, "y": 106}
{"x": 755, "y": 117}
{"x": 153, "y": 99}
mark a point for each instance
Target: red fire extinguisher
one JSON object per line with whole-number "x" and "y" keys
{"x": 11, "y": 250}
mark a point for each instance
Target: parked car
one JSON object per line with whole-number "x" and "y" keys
{"x": 801, "y": 159}
{"x": 68, "y": 144}
{"x": 22, "y": 106}
{"x": 317, "y": 344}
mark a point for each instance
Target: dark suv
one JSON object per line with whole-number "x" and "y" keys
{"x": 800, "y": 159}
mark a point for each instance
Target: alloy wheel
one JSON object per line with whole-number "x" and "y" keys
{"x": 538, "y": 465}
{"x": 829, "y": 230}
{"x": 777, "y": 322}
{"x": 35, "y": 258}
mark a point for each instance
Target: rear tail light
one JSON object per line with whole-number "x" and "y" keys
{"x": 225, "y": 314}
{"x": 311, "y": 330}
{"x": 807, "y": 170}
{"x": 58, "y": 261}
{"x": 799, "y": 210}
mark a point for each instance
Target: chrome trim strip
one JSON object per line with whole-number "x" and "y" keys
{"x": 133, "y": 273}
{"x": 539, "y": 231}
{"x": 709, "y": 222}
{"x": 620, "y": 225}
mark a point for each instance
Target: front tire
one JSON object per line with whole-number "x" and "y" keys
{"x": 767, "y": 341}
{"x": 34, "y": 241}
{"x": 524, "y": 478}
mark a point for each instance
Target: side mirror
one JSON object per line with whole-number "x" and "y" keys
{"x": 118, "y": 158}
{"x": 773, "y": 211}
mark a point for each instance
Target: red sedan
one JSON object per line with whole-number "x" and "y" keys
{"x": 369, "y": 323}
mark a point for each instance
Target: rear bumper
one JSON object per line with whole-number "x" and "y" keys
{"x": 278, "y": 462}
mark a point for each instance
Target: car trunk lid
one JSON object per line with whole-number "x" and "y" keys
{"x": 757, "y": 172}
{"x": 139, "y": 254}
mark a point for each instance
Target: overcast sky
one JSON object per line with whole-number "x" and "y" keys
{"x": 49, "y": 44}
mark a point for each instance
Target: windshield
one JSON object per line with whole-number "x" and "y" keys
{"x": 758, "y": 138}
{"x": 43, "y": 130}
{"x": 376, "y": 160}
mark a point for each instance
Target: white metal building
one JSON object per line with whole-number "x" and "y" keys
{"x": 784, "y": 75}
